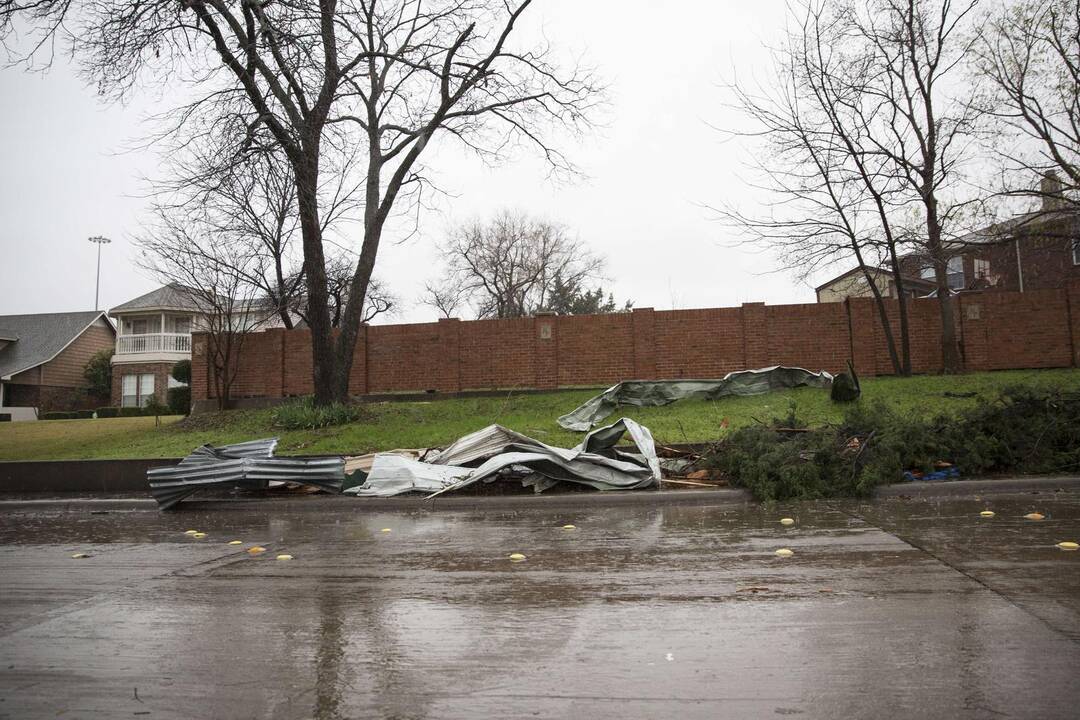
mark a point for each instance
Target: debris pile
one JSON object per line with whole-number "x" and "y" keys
{"x": 498, "y": 453}
{"x": 249, "y": 465}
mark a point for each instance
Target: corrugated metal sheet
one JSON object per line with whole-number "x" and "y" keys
{"x": 249, "y": 464}
{"x": 496, "y": 452}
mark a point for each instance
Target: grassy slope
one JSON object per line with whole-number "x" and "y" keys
{"x": 441, "y": 421}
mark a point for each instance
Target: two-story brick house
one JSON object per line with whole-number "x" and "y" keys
{"x": 154, "y": 333}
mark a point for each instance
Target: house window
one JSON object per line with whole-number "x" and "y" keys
{"x": 179, "y": 324}
{"x": 136, "y": 326}
{"x": 982, "y": 269}
{"x": 1076, "y": 252}
{"x": 131, "y": 391}
{"x": 137, "y": 390}
{"x": 955, "y": 273}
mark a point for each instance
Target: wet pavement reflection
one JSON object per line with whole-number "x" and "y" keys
{"x": 892, "y": 608}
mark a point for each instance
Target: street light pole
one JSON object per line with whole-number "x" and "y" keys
{"x": 99, "y": 241}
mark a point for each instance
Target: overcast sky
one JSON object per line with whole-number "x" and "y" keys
{"x": 65, "y": 174}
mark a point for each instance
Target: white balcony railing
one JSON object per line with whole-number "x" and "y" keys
{"x": 154, "y": 342}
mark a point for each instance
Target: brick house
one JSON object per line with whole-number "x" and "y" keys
{"x": 42, "y": 357}
{"x": 1034, "y": 251}
{"x": 853, "y": 284}
{"x": 1038, "y": 250}
{"x": 154, "y": 333}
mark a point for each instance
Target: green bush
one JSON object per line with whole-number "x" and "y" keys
{"x": 84, "y": 414}
{"x": 180, "y": 400}
{"x": 1021, "y": 431}
{"x": 181, "y": 372}
{"x": 98, "y": 373}
{"x": 58, "y": 415}
{"x": 305, "y": 415}
{"x": 130, "y": 412}
{"x": 107, "y": 412}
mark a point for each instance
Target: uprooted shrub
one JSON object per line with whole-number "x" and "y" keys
{"x": 1020, "y": 431}
{"x": 304, "y": 414}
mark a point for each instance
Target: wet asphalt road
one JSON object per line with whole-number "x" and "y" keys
{"x": 888, "y": 609}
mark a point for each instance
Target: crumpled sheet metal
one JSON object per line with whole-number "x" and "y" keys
{"x": 642, "y": 393}
{"x": 495, "y": 450}
{"x": 250, "y": 464}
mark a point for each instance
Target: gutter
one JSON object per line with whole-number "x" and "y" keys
{"x": 1019, "y": 265}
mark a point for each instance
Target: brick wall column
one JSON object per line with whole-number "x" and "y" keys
{"x": 644, "y": 328}
{"x": 973, "y": 329}
{"x": 450, "y": 357}
{"x": 358, "y": 374}
{"x": 273, "y": 355}
{"x": 865, "y": 335}
{"x": 755, "y": 336}
{"x": 200, "y": 374}
{"x": 546, "y": 342}
{"x": 1072, "y": 305}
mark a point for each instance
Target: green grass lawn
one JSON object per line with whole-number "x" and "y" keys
{"x": 424, "y": 424}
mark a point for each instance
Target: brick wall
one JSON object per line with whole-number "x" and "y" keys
{"x": 998, "y": 330}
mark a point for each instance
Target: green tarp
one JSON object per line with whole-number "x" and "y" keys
{"x": 642, "y": 393}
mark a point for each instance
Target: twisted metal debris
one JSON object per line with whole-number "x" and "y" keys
{"x": 248, "y": 464}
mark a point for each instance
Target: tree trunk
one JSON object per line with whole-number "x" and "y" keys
{"x": 325, "y": 373}
{"x": 950, "y": 351}
{"x": 901, "y": 299}
{"x": 883, "y": 313}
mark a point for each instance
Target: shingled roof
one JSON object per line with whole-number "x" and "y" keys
{"x": 167, "y": 297}
{"x": 37, "y": 339}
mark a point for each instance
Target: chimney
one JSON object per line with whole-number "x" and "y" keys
{"x": 1051, "y": 191}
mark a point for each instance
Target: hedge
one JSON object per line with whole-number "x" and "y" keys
{"x": 59, "y": 416}
{"x": 108, "y": 412}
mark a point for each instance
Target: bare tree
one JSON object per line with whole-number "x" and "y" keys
{"x": 250, "y": 205}
{"x": 339, "y": 276}
{"x": 874, "y": 129}
{"x": 1030, "y": 52}
{"x": 508, "y": 267}
{"x": 926, "y": 121}
{"x": 833, "y": 198}
{"x": 214, "y": 277}
{"x": 385, "y": 76}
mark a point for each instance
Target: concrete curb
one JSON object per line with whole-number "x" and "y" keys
{"x": 658, "y": 498}
{"x": 1032, "y": 483}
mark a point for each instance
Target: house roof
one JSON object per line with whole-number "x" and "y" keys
{"x": 37, "y": 339}
{"x": 167, "y": 297}
{"x": 880, "y": 271}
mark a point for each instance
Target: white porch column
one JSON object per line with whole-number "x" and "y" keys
{"x": 1, "y": 394}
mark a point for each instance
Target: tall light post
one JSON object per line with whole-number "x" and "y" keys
{"x": 99, "y": 241}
